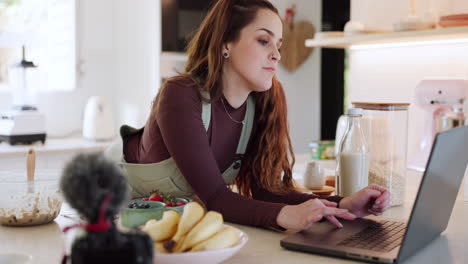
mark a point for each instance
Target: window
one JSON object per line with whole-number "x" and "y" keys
{"x": 49, "y": 30}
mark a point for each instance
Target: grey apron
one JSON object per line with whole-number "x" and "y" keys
{"x": 165, "y": 176}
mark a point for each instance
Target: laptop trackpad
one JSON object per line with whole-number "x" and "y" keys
{"x": 325, "y": 233}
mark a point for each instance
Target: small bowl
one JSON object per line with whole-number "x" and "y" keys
{"x": 135, "y": 217}
{"x": 202, "y": 257}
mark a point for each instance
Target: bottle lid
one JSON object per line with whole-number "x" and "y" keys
{"x": 355, "y": 112}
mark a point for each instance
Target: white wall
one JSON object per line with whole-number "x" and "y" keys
{"x": 119, "y": 47}
{"x": 391, "y": 74}
{"x": 137, "y": 46}
{"x": 382, "y": 14}
{"x": 303, "y": 86}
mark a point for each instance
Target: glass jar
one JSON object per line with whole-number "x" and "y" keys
{"x": 353, "y": 157}
{"x": 385, "y": 126}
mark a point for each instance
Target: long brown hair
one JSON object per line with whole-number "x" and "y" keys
{"x": 269, "y": 157}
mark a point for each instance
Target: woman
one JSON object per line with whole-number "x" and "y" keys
{"x": 224, "y": 121}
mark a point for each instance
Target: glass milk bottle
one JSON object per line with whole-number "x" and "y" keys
{"x": 353, "y": 157}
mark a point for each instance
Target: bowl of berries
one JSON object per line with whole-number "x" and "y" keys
{"x": 139, "y": 211}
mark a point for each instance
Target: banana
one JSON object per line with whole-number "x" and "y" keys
{"x": 225, "y": 238}
{"x": 151, "y": 222}
{"x": 159, "y": 247}
{"x": 193, "y": 213}
{"x": 210, "y": 224}
{"x": 175, "y": 247}
{"x": 164, "y": 228}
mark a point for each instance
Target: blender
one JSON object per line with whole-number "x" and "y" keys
{"x": 22, "y": 123}
{"x": 442, "y": 100}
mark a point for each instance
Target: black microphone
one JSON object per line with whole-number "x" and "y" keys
{"x": 97, "y": 187}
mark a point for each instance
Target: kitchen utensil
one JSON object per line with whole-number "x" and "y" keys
{"x": 98, "y": 122}
{"x": 202, "y": 257}
{"x": 435, "y": 97}
{"x": 26, "y": 203}
{"x": 385, "y": 127}
{"x": 30, "y": 168}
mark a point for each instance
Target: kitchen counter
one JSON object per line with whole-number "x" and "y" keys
{"x": 51, "y": 156}
{"x": 263, "y": 245}
{"x": 47, "y": 244}
{"x": 55, "y": 145}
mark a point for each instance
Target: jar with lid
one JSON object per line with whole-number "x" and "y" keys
{"x": 385, "y": 126}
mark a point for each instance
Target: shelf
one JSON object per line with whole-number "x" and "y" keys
{"x": 451, "y": 33}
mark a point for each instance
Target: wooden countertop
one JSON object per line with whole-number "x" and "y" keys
{"x": 47, "y": 244}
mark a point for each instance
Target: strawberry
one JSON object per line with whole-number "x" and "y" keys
{"x": 180, "y": 203}
{"x": 170, "y": 204}
{"x": 145, "y": 199}
{"x": 156, "y": 197}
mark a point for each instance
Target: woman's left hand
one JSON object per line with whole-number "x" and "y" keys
{"x": 373, "y": 199}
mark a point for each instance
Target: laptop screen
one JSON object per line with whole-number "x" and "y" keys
{"x": 438, "y": 190}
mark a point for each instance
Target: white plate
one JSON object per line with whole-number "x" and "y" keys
{"x": 14, "y": 258}
{"x": 202, "y": 257}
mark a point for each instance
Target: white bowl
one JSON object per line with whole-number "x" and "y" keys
{"x": 202, "y": 257}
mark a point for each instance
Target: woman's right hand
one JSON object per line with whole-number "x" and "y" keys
{"x": 302, "y": 216}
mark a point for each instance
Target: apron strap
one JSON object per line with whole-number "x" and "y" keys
{"x": 206, "y": 110}
{"x": 247, "y": 128}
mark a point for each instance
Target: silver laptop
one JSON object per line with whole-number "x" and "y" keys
{"x": 386, "y": 241}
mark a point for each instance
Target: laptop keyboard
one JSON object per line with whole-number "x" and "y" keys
{"x": 381, "y": 236}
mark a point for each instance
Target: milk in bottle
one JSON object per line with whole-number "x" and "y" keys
{"x": 353, "y": 157}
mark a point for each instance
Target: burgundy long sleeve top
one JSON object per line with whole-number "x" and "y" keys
{"x": 176, "y": 130}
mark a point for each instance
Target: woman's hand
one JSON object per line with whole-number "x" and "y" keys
{"x": 373, "y": 199}
{"x": 302, "y": 216}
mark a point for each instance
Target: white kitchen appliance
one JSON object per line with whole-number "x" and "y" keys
{"x": 441, "y": 99}
{"x": 98, "y": 122}
{"x": 22, "y": 125}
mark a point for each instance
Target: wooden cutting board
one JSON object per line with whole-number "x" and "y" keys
{"x": 293, "y": 50}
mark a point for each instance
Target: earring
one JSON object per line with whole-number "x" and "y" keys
{"x": 225, "y": 54}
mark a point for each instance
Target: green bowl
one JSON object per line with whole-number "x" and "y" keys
{"x": 135, "y": 217}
